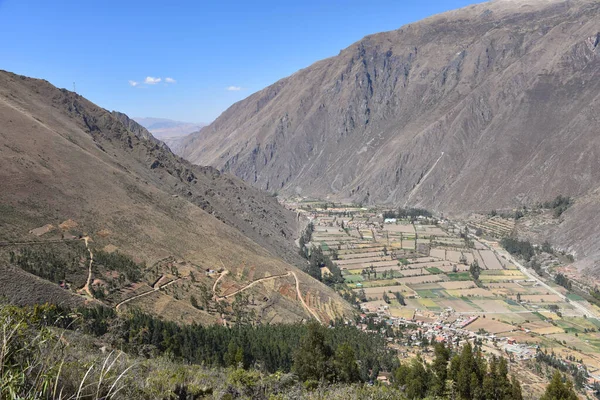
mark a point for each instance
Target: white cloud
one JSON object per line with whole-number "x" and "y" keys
{"x": 150, "y": 80}
{"x": 170, "y": 80}
{"x": 234, "y": 88}
{"x": 133, "y": 83}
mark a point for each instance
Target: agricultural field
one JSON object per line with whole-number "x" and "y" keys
{"x": 420, "y": 270}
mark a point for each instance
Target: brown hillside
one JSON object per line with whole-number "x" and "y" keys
{"x": 64, "y": 158}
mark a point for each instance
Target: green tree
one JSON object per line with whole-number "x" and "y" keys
{"x": 475, "y": 270}
{"x": 311, "y": 361}
{"x": 557, "y": 389}
{"x": 417, "y": 382}
{"x": 194, "y": 302}
{"x": 440, "y": 369}
{"x": 345, "y": 365}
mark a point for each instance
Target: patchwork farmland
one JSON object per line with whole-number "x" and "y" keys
{"x": 419, "y": 270}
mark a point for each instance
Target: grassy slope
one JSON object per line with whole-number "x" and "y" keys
{"x": 62, "y": 157}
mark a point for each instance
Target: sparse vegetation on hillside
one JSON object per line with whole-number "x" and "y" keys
{"x": 558, "y": 206}
{"x": 50, "y": 263}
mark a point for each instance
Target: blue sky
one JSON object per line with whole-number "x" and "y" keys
{"x": 215, "y": 52}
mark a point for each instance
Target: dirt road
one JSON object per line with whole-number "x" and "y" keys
{"x": 257, "y": 281}
{"x": 214, "y": 288}
{"x": 137, "y": 296}
{"x": 248, "y": 286}
{"x": 530, "y": 275}
{"x": 86, "y": 287}
{"x": 302, "y": 299}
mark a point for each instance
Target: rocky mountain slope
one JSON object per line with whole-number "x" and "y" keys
{"x": 72, "y": 167}
{"x": 492, "y": 106}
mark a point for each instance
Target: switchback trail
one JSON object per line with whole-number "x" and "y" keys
{"x": 302, "y": 299}
{"x": 248, "y": 286}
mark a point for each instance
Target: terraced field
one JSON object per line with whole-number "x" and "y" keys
{"x": 429, "y": 266}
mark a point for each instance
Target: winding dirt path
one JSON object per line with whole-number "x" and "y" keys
{"x": 86, "y": 287}
{"x": 248, "y": 286}
{"x": 302, "y": 299}
{"x": 214, "y": 288}
{"x": 137, "y": 296}
{"x": 268, "y": 278}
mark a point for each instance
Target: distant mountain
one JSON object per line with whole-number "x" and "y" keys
{"x": 491, "y": 106}
{"x": 70, "y": 168}
{"x": 169, "y": 131}
{"x": 167, "y": 128}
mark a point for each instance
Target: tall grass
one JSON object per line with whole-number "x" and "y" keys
{"x": 34, "y": 365}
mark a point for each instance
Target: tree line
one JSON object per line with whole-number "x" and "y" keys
{"x": 269, "y": 348}
{"x": 316, "y": 354}
{"x": 410, "y": 213}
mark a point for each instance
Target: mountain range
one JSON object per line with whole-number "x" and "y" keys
{"x": 492, "y": 106}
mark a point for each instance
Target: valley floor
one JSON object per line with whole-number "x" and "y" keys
{"x": 419, "y": 272}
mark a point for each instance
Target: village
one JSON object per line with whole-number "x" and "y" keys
{"x": 434, "y": 280}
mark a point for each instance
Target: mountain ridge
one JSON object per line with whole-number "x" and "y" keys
{"x": 69, "y": 163}
{"x": 474, "y": 109}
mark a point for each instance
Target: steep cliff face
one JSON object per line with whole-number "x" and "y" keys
{"x": 489, "y": 106}
{"x": 492, "y": 106}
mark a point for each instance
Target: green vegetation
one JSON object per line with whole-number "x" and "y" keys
{"x": 464, "y": 376}
{"x": 516, "y": 247}
{"x": 43, "y": 358}
{"x": 475, "y": 270}
{"x": 318, "y": 260}
{"x": 49, "y": 263}
{"x": 407, "y": 213}
{"x": 574, "y": 297}
{"x": 270, "y": 348}
{"x": 316, "y": 361}
{"x": 559, "y": 390}
{"x": 459, "y": 276}
{"x": 121, "y": 263}
{"x": 559, "y": 205}
{"x": 563, "y": 281}
{"x": 305, "y": 238}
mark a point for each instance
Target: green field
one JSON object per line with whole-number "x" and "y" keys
{"x": 353, "y": 278}
{"x": 574, "y": 297}
{"x": 459, "y": 276}
{"x": 432, "y": 293}
{"x": 434, "y": 270}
